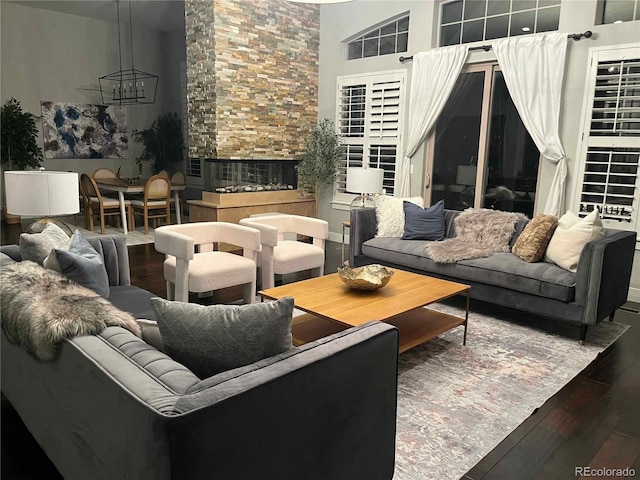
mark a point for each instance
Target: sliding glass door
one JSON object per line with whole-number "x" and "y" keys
{"x": 480, "y": 154}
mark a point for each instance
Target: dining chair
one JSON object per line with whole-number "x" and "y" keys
{"x": 191, "y": 264}
{"x": 156, "y": 201}
{"x": 178, "y": 178}
{"x": 96, "y": 204}
{"x": 104, "y": 173}
{"x": 279, "y": 256}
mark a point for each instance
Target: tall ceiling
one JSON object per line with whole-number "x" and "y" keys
{"x": 163, "y": 15}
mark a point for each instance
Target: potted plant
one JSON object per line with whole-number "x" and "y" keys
{"x": 18, "y": 143}
{"x": 321, "y": 158}
{"x": 163, "y": 144}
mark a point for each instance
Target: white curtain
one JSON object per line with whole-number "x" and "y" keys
{"x": 434, "y": 75}
{"x": 533, "y": 69}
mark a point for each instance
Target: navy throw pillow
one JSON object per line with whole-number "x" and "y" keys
{"x": 423, "y": 223}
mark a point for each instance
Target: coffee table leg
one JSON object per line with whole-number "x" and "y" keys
{"x": 466, "y": 321}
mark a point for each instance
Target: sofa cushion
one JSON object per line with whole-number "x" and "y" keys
{"x": 570, "y": 237}
{"x": 134, "y": 300}
{"x": 212, "y": 339}
{"x": 390, "y": 214}
{"x": 423, "y": 223}
{"x": 500, "y": 269}
{"x": 534, "y": 239}
{"x": 36, "y": 246}
{"x": 81, "y": 263}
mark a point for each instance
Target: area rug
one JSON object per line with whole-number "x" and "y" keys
{"x": 456, "y": 403}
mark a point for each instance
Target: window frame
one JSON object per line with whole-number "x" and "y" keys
{"x": 367, "y": 140}
{"x": 509, "y": 14}
{"x": 588, "y": 143}
{"x": 367, "y": 34}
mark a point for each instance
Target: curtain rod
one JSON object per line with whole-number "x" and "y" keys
{"x": 486, "y": 48}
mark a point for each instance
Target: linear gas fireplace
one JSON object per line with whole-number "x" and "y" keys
{"x": 239, "y": 176}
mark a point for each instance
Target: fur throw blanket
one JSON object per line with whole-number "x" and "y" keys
{"x": 42, "y": 307}
{"x": 479, "y": 233}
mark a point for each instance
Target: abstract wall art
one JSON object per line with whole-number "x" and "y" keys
{"x": 76, "y": 130}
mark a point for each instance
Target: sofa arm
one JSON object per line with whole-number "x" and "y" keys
{"x": 604, "y": 273}
{"x": 363, "y": 226}
{"x": 337, "y": 397}
{"x": 113, "y": 249}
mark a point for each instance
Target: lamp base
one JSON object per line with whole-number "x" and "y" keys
{"x": 39, "y": 225}
{"x": 363, "y": 201}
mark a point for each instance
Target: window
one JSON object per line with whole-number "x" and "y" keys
{"x": 618, "y": 11}
{"x": 391, "y": 37}
{"x": 369, "y": 120}
{"x": 193, "y": 167}
{"x": 465, "y": 21}
{"x": 610, "y": 151}
{"x": 481, "y": 153}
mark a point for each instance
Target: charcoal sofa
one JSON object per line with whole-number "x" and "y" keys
{"x": 594, "y": 292}
{"x": 111, "y": 406}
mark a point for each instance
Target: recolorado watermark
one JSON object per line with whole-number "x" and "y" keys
{"x": 605, "y": 472}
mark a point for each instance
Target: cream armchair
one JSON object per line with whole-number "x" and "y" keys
{"x": 279, "y": 256}
{"x": 190, "y": 269}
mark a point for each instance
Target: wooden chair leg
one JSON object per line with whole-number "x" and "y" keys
{"x": 101, "y": 220}
{"x": 146, "y": 221}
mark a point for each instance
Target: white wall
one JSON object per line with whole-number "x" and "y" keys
{"x": 54, "y": 56}
{"x": 341, "y": 21}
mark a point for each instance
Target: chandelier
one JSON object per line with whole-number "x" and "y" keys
{"x": 127, "y": 86}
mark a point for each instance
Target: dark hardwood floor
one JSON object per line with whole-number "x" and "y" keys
{"x": 594, "y": 421}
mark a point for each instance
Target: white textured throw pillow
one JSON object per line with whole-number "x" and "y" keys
{"x": 390, "y": 214}
{"x": 570, "y": 237}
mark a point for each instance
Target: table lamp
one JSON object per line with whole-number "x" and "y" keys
{"x": 364, "y": 182}
{"x": 39, "y": 193}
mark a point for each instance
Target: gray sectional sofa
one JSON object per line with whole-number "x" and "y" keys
{"x": 111, "y": 406}
{"x": 599, "y": 286}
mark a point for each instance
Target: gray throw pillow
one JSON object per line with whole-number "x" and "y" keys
{"x": 36, "y": 246}
{"x": 215, "y": 338}
{"x": 423, "y": 223}
{"x": 80, "y": 263}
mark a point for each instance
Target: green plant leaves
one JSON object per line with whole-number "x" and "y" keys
{"x": 18, "y": 134}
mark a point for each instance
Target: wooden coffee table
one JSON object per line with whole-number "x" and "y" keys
{"x": 331, "y": 306}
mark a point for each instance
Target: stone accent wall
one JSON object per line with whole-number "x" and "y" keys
{"x": 252, "y": 77}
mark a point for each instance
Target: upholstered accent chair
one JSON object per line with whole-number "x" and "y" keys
{"x": 279, "y": 256}
{"x": 192, "y": 265}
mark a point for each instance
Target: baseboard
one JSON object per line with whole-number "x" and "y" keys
{"x": 634, "y": 295}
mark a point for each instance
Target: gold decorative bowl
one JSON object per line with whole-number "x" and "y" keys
{"x": 369, "y": 277}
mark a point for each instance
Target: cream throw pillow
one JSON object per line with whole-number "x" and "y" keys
{"x": 570, "y": 237}
{"x": 390, "y": 214}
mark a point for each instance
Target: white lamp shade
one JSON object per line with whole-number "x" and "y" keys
{"x": 364, "y": 180}
{"x": 41, "y": 194}
{"x": 466, "y": 175}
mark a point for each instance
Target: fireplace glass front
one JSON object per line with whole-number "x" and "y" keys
{"x": 234, "y": 176}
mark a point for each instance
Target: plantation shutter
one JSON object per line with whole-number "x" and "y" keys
{"x": 369, "y": 118}
{"x": 610, "y": 153}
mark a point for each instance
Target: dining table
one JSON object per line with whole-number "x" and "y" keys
{"x": 123, "y": 187}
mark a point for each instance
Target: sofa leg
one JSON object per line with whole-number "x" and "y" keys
{"x": 611, "y": 316}
{"x": 583, "y": 333}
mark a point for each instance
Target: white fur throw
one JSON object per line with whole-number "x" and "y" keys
{"x": 390, "y": 214}
{"x": 479, "y": 233}
{"x": 41, "y": 307}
